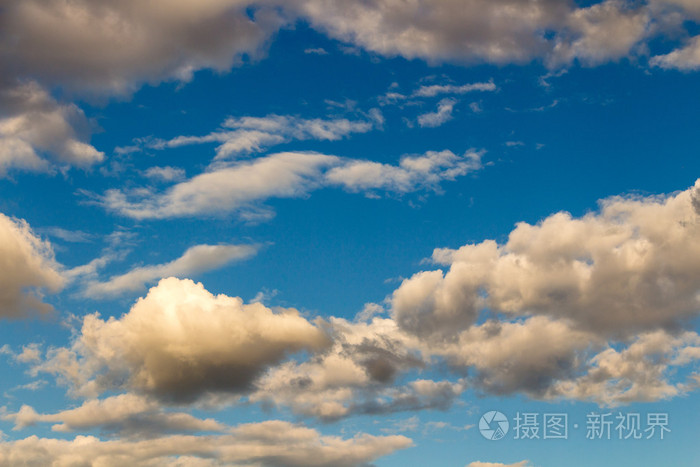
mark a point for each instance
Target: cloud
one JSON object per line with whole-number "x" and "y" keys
{"x": 501, "y": 31}
{"x": 356, "y": 376}
{"x": 269, "y": 443}
{"x": 246, "y": 135}
{"x": 686, "y": 7}
{"x": 181, "y": 343}
{"x": 586, "y": 308}
{"x": 39, "y": 134}
{"x": 30, "y": 353}
{"x": 441, "y": 115}
{"x": 127, "y": 414}
{"x": 28, "y": 267}
{"x": 437, "y": 89}
{"x": 433, "y": 90}
{"x": 639, "y": 372}
{"x": 196, "y": 259}
{"x": 529, "y": 356}
{"x": 633, "y": 266}
{"x": 412, "y": 172}
{"x": 316, "y": 51}
{"x": 71, "y": 44}
{"x": 241, "y": 188}
{"x": 72, "y": 236}
{"x": 230, "y": 189}
{"x": 166, "y": 174}
{"x": 600, "y": 33}
{"x": 686, "y": 58}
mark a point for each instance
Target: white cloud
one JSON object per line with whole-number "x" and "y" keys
{"x": 181, "y": 343}
{"x": 356, "y": 375}
{"x": 529, "y": 356}
{"x": 71, "y": 44}
{"x": 506, "y": 31}
{"x": 196, "y": 259}
{"x": 28, "y": 267}
{"x": 690, "y": 8}
{"x": 230, "y": 189}
{"x": 433, "y": 90}
{"x": 686, "y": 58}
{"x": 412, "y": 172}
{"x": 38, "y": 134}
{"x": 585, "y": 308}
{"x": 241, "y": 188}
{"x": 166, "y": 174}
{"x": 442, "y": 115}
{"x": 500, "y": 31}
{"x": 635, "y": 265}
{"x": 72, "y": 236}
{"x": 582, "y": 308}
{"x": 639, "y": 372}
{"x": 600, "y": 33}
{"x": 437, "y": 89}
{"x": 316, "y": 51}
{"x": 245, "y": 135}
{"x": 128, "y": 414}
{"x": 267, "y": 443}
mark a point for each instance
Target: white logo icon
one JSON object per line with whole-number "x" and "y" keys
{"x": 493, "y": 425}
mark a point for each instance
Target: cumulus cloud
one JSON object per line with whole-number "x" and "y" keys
{"x": 690, "y": 8}
{"x": 28, "y": 267}
{"x": 181, "y": 343}
{"x": 529, "y": 356}
{"x": 583, "y": 308}
{"x": 71, "y": 44}
{"x": 632, "y": 266}
{"x": 600, "y": 33}
{"x": 196, "y": 259}
{"x": 639, "y": 372}
{"x": 242, "y": 187}
{"x": 68, "y": 46}
{"x": 587, "y": 308}
{"x": 496, "y": 31}
{"x": 38, "y": 134}
{"x": 269, "y": 443}
{"x": 354, "y": 375}
{"x": 442, "y": 115}
{"x": 502, "y": 31}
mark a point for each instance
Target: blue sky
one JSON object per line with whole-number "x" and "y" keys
{"x": 338, "y": 233}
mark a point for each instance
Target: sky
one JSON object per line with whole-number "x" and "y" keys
{"x": 347, "y": 233}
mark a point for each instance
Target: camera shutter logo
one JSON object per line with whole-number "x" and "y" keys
{"x": 493, "y": 425}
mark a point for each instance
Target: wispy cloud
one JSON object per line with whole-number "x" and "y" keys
{"x": 442, "y": 115}
{"x": 197, "y": 259}
{"x": 241, "y": 187}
